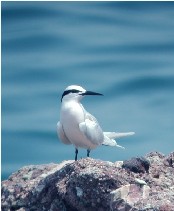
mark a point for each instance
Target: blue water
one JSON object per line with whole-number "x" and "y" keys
{"x": 124, "y": 50}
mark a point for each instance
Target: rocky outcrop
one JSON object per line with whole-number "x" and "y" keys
{"x": 143, "y": 183}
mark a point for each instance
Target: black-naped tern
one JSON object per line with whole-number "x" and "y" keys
{"x": 80, "y": 128}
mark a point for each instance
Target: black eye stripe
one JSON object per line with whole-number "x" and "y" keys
{"x": 69, "y": 91}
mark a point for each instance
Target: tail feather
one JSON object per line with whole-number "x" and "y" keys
{"x": 110, "y": 136}
{"x": 110, "y": 142}
{"x": 118, "y": 135}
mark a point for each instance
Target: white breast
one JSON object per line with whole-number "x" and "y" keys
{"x": 72, "y": 114}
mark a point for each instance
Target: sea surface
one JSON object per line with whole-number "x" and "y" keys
{"x": 124, "y": 50}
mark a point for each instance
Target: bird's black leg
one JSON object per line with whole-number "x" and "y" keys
{"x": 88, "y": 151}
{"x": 76, "y": 152}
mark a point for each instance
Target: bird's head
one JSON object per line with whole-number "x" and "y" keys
{"x": 75, "y": 92}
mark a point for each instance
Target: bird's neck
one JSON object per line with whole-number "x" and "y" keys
{"x": 71, "y": 104}
{"x": 72, "y": 109}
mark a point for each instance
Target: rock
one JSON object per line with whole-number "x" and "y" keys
{"x": 140, "y": 182}
{"x": 169, "y": 160}
{"x": 144, "y": 183}
{"x": 137, "y": 165}
{"x": 130, "y": 195}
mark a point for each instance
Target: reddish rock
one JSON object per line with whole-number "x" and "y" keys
{"x": 137, "y": 165}
{"x": 169, "y": 160}
{"x": 90, "y": 184}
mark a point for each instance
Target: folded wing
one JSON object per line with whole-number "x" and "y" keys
{"x": 91, "y": 129}
{"x": 61, "y": 134}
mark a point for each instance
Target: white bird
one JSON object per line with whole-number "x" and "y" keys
{"x": 80, "y": 128}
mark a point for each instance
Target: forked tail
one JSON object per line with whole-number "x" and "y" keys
{"x": 110, "y": 136}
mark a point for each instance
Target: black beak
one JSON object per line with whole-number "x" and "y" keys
{"x": 91, "y": 93}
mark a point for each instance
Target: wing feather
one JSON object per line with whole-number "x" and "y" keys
{"x": 91, "y": 129}
{"x": 91, "y": 117}
{"x": 62, "y": 136}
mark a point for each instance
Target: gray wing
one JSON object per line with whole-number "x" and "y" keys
{"x": 91, "y": 129}
{"x": 90, "y": 117}
{"x": 61, "y": 134}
